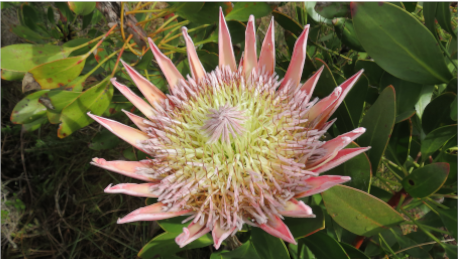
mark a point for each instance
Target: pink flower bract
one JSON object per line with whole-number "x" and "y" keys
{"x": 231, "y": 146}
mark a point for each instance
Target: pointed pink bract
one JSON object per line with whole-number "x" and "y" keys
{"x": 151, "y": 213}
{"x": 226, "y": 54}
{"x": 267, "y": 52}
{"x": 173, "y": 76}
{"x": 250, "y": 48}
{"x": 294, "y": 71}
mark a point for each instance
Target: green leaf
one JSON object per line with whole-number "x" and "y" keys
{"x": 173, "y": 225}
{"x": 65, "y": 11}
{"x": 346, "y": 33}
{"x": 24, "y": 57}
{"x": 56, "y": 100}
{"x": 331, "y": 10}
{"x": 410, "y": 6}
{"x": 437, "y": 113}
{"x": 358, "y": 211}
{"x": 407, "y": 95}
{"x": 355, "y": 100}
{"x": 96, "y": 100}
{"x": 28, "y": 109}
{"x": 399, "y": 43}
{"x": 316, "y": 17}
{"x": 30, "y": 16}
{"x": 268, "y": 246}
{"x": 164, "y": 245}
{"x": 352, "y": 252}
{"x": 424, "y": 99}
{"x": 183, "y": 8}
{"x": 324, "y": 246}
{"x": 379, "y": 121}
{"x": 28, "y": 34}
{"x": 436, "y": 139}
{"x": 287, "y": 23}
{"x": 443, "y": 17}
{"x": 454, "y": 109}
{"x": 450, "y": 219}
{"x": 82, "y": 8}
{"x": 58, "y": 73}
{"x": 12, "y": 76}
{"x": 207, "y": 14}
{"x": 427, "y": 180}
{"x": 381, "y": 193}
{"x": 50, "y": 15}
{"x": 34, "y": 125}
{"x": 87, "y": 20}
{"x": 237, "y": 31}
{"x": 429, "y": 13}
{"x": 371, "y": 69}
{"x": 451, "y": 251}
{"x": 398, "y": 147}
{"x": 302, "y": 227}
{"x": 417, "y": 252}
{"x": 246, "y": 250}
{"x": 358, "y": 168}
{"x": 103, "y": 140}
{"x": 210, "y": 60}
{"x": 242, "y": 10}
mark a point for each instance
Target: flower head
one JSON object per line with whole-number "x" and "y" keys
{"x": 231, "y": 146}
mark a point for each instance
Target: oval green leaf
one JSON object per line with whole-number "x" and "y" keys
{"x": 427, "y": 180}
{"x": 346, "y": 32}
{"x": 28, "y": 109}
{"x": 398, "y": 147}
{"x": 242, "y": 10}
{"x": 437, "y": 113}
{"x": 58, "y": 73}
{"x": 399, "y": 43}
{"x": 82, "y": 8}
{"x": 96, "y": 99}
{"x": 358, "y": 211}
{"x": 379, "y": 121}
{"x": 24, "y": 57}
{"x": 443, "y": 17}
{"x": 268, "y": 246}
{"x": 165, "y": 244}
{"x": 287, "y": 23}
{"x": 324, "y": 246}
{"x": 407, "y": 95}
{"x": 436, "y": 139}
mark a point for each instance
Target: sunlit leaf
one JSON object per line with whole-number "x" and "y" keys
{"x": 28, "y": 109}
{"x": 82, "y": 8}
{"x": 96, "y": 100}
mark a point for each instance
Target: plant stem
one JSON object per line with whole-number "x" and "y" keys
{"x": 331, "y": 51}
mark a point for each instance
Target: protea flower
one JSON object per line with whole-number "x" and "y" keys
{"x": 231, "y": 146}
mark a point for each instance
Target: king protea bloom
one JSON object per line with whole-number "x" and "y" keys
{"x": 232, "y": 146}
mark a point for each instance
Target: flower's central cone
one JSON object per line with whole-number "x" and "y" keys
{"x": 222, "y": 122}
